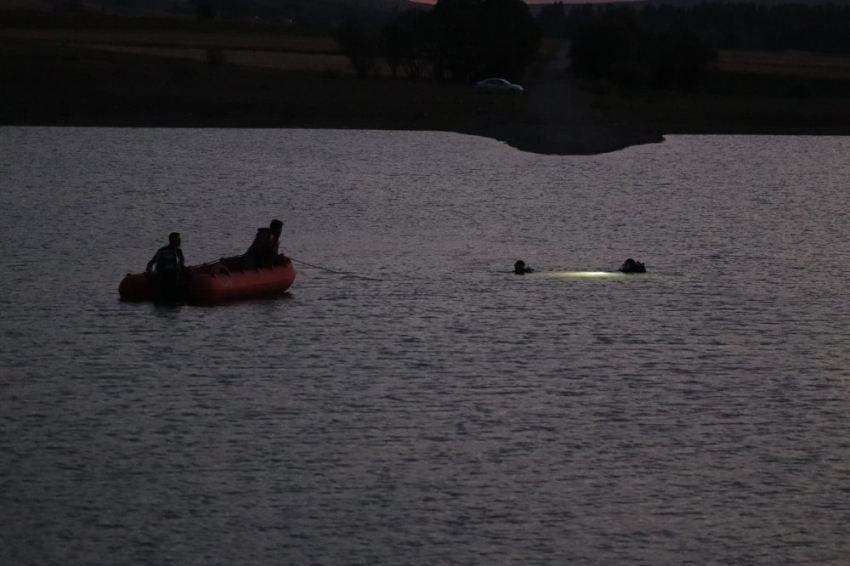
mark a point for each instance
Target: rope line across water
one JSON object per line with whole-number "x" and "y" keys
{"x": 333, "y": 270}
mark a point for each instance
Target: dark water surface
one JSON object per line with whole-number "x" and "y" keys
{"x": 443, "y": 411}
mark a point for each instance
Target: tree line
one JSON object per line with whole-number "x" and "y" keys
{"x": 457, "y": 40}
{"x": 795, "y": 26}
{"x": 672, "y": 46}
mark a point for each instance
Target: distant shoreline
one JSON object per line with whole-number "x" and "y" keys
{"x": 119, "y": 89}
{"x": 61, "y": 85}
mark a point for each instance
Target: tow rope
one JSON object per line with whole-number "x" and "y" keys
{"x": 348, "y": 273}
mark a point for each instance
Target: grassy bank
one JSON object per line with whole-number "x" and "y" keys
{"x": 748, "y": 93}
{"x": 53, "y": 84}
{"x": 181, "y": 76}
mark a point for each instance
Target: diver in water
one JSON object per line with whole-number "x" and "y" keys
{"x": 521, "y": 269}
{"x": 632, "y": 266}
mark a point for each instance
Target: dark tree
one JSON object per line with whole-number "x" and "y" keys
{"x": 578, "y": 17}
{"x": 396, "y": 45}
{"x": 405, "y": 43}
{"x": 552, "y": 19}
{"x": 454, "y": 28}
{"x": 511, "y": 39}
{"x": 359, "y": 45}
{"x": 206, "y": 11}
{"x": 475, "y": 38}
{"x": 636, "y": 49}
{"x": 682, "y": 62}
{"x": 611, "y": 42}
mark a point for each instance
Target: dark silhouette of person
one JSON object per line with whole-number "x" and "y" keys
{"x": 168, "y": 260}
{"x": 169, "y": 269}
{"x": 632, "y": 266}
{"x": 264, "y": 249}
{"x": 521, "y": 269}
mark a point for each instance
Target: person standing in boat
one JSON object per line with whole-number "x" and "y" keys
{"x": 264, "y": 251}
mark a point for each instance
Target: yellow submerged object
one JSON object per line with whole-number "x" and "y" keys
{"x": 584, "y": 274}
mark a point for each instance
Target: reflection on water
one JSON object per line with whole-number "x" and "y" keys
{"x": 413, "y": 401}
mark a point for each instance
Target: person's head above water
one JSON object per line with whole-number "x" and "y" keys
{"x": 520, "y": 268}
{"x": 632, "y": 266}
{"x": 174, "y": 239}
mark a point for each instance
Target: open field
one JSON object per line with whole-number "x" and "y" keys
{"x": 131, "y": 89}
{"x": 791, "y": 93}
{"x": 280, "y": 51}
{"x": 271, "y": 59}
{"x": 675, "y": 113}
{"x": 742, "y": 103}
{"x": 786, "y": 64}
{"x": 176, "y": 39}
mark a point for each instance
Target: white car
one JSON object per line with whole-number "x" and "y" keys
{"x": 498, "y": 85}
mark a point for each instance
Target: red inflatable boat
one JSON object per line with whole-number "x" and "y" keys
{"x": 215, "y": 282}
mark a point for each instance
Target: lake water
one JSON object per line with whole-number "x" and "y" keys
{"x": 410, "y": 401}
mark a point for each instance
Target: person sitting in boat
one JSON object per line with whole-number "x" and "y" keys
{"x": 168, "y": 260}
{"x": 521, "y": 269}
{"x": 632, "y": 266}
{"x": 169, "y": 270}
{"x": 264, "y": 250}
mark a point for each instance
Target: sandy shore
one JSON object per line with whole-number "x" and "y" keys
{"x": 63, "y": 85}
